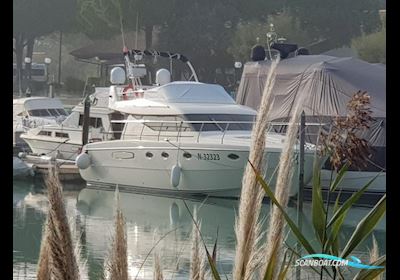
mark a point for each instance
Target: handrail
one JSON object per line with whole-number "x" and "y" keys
{"x": 200, "y": 130}
{"x": 178, "y": 132}
{"x": 223, "y": 135}
{"x": 211, "y": 122}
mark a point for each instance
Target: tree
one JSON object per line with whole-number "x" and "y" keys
{"x": 34, "y": 18}
{"x": 336, "y": 21}
{"x": 201, "y": 30}
{"x": 372, "y": 47}
{"x": 102, "y": 19}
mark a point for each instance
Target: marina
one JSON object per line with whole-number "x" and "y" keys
{"x": 195, "y": 141}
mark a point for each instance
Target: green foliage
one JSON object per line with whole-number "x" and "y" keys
{"x": 41, "y": 17}
{"x": 336, "y": 21}
{"x": 98, "y": 19}
{"x": 296, "y": 231}
{"x": 331, "y": 228}
{"x": 372, "y": 274}
{"x": 365, "y": 226}
{"x": 102, "y": 19}
{"x": 35, "y": 18}
{"x": 202, "y": 31}
{"x": 69, "y": 65}
{"x": 371, "y": 47}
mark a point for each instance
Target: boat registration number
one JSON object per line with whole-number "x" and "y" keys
{"x": 206, "y": 156}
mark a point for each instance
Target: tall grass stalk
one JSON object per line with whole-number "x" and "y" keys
{"x": 61, "y": 258}
{"x": 117, "y": 264}
{"x": 157, "y": 270}
{"x": 43, "y": 267}
{"x": 374, "y": 255}
{"x": 197, "y": 258}
{"x": 282, "y": 190}
{"x": 247, "y": 227}
{"x": 82, "y": 264}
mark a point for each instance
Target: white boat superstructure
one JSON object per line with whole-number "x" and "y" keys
{"x": 179, "y": 137}
{"x": 64, "y": 140}
{"x": 32, "y": 112}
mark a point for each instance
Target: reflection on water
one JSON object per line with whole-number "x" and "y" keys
{"x": 149, "y": 219}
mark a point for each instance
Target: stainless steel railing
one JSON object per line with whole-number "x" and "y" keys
{"x": 184, "y": 129}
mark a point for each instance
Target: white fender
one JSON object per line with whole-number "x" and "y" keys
{"x": 175, "y": 175}
{"x": 83, "y": 161}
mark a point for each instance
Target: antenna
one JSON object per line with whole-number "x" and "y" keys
{"x": 271, "y": 38}
{"x": 137, "y": 28}
{"x": 125, "y": 50}
{"x": 121, "y": 24}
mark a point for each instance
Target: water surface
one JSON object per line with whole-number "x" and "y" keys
{"x": 150, "y": 220}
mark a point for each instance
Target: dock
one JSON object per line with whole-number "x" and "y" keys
{"x": 67, "y": 169}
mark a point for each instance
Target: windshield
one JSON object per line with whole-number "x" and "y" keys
{"x": 47, "y": 112}
{"x": 222, "y": 122}
{"x": 226, "y": 120}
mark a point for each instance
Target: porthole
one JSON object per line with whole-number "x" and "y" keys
{"x": 149, "y": 155}
{"x": 187, "y": 155}
{"x": 164, "y": 155}
{"x": 233, "y": 156}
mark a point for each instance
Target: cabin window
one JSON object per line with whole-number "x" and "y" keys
{"x": 164, "y": 155}
{"x": 233, "y": 156}
{"x": 53, "y": 112}
{"x": 96, "y": 122}
{"x": 221, "y": 122}
{"x": 62, "y": 135}
{"x": 166, "y": 123}
{"x": 149, "y": 155}
{"x": 39, "y": 113}
{"x": 45, "y": 133}
{"x": 172, "y": 123}
{"x": 187, "y": 155}
{"x": 93, "y": 122}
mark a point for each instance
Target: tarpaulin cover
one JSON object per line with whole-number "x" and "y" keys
{"x": 323, "y": 84}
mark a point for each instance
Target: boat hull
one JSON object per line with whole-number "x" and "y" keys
{"x": 62, "y": 150}
{"x": 355, "y": 180}
{"x": 214, "y": 171}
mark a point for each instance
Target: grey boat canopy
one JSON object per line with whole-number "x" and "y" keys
{"x": 323, "y": 85}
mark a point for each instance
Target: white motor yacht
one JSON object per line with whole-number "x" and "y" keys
{"x": 180, "y": 137}
{"x": 32, "y": 112}
{"x": 64, "y": 140}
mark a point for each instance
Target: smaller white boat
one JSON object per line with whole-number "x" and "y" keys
{"x": 32, "y": 112}
{"x": 64, "y": 140}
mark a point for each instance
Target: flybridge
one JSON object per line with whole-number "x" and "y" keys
{"x": 138, "y": 55}
{"x": 170, "y": 55}
{"x": 177, "y": 98}
{"x": 190, "y": 92}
